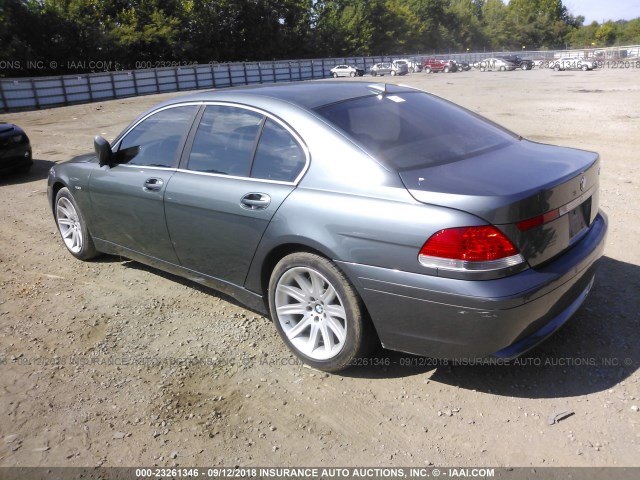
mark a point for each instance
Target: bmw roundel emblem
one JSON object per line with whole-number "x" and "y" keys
{"x": 583, "y": 182}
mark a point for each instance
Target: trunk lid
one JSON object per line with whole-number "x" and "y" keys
{"x": 515, "y": 183}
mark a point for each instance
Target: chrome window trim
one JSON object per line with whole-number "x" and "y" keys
{"x": 200, "y": 103}
{"x": 139, "y": 121}
{"x": 234, "y": 177}
{"x": 143, "y": 167}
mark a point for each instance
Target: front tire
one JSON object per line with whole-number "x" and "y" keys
{"x": 317, "y": 312}
{"x": 72, "y": 226}
{"x": 352, "y": 74}
{"x": 335, "y": 75}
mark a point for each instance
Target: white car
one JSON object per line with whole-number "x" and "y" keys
{"x": 412, "y": 65}
{"x": 573, "y": 63}
{"x": 490, "y": 64}
{"x": 346, "y": 71}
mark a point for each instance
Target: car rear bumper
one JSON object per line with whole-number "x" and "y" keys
{"x": 462, "y": 319}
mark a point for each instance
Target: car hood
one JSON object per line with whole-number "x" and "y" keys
{"x": 84, "y": 158}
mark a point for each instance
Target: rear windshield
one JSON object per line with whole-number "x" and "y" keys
{"x": 414, "y": 129}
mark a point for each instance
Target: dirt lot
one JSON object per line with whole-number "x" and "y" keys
{"x": 98, "y": 360}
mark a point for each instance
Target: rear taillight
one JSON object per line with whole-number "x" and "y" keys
{"x": 478, "y": 248}
{"x": 530, "y": 223}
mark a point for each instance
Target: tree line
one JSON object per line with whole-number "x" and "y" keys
{"x": 43, "y": 37}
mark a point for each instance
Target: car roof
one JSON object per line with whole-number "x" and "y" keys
{"x": 309, "y": 94}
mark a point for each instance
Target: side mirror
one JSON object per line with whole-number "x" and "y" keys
{"x": 103, "y": 150}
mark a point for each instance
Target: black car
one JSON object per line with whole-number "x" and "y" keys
{"x": 462, "y": 66}
{"x": 15, "y": 149}
{"x": 523, "y": 63}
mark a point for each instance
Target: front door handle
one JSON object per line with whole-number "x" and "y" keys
{"x": 153, "y": 184}
{"x": 255, "y": 201}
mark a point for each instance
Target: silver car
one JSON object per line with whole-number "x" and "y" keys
{"x": 389, "y": 68}
{"x": 354, "y": 214}
{"x": 491, "y": 64}
{"x": 573, "y": 63}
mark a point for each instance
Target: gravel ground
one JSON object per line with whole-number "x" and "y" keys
{"x": 112, "y": 363}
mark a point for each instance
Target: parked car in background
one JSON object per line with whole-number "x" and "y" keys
{"x": 15, "y": 149}
{"x": 412, "y": 65}
{"x": 519, "y": 62}
{"x": 462, "y": 66}
{"x": 346, "y": 71}
{"x": 573, "y": 63}
{"x": 494, "y": 63}
{"x": 388, "y": 68}
{"x": 436, "y": 65}
{"x": 459, "y": 240}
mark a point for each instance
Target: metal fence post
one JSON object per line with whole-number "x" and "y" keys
{"x": 213, "y": 76}
{"x": 89, "y": 89}
{"x": 229, "y": 72}
{"x": 135, "y": 82}
{"x": 64, "y": 91}
{"x": 35, "y": 94}
{"x": 5, "y": 107}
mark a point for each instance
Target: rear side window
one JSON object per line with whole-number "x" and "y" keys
{"x": 225, "y": 141}
{"x": 154, "y": 142}
{"x": 278, "y": 156}
{"x": 411, "y": 130}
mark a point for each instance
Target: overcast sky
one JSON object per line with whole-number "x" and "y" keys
{"x": 600, "y": 10}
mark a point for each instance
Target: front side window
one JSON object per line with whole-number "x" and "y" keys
{"x": 225, "y": 141}
{"x": 155, "y": 141}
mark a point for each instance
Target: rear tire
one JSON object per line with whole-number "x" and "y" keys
{"x": 318, "y": 313}
{"x": 73, "y": 226}
{"x": 393, "y": 73}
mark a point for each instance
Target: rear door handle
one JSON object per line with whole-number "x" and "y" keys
{"x": 153, "y": 184}
{"x": 255, "y": 201}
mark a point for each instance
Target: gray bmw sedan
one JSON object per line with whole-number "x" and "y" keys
{"x": 354, "y": 214}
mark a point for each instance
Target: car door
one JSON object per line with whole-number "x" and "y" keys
{"x": 128, "y": 197}
{"x": 240, "y": 166}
